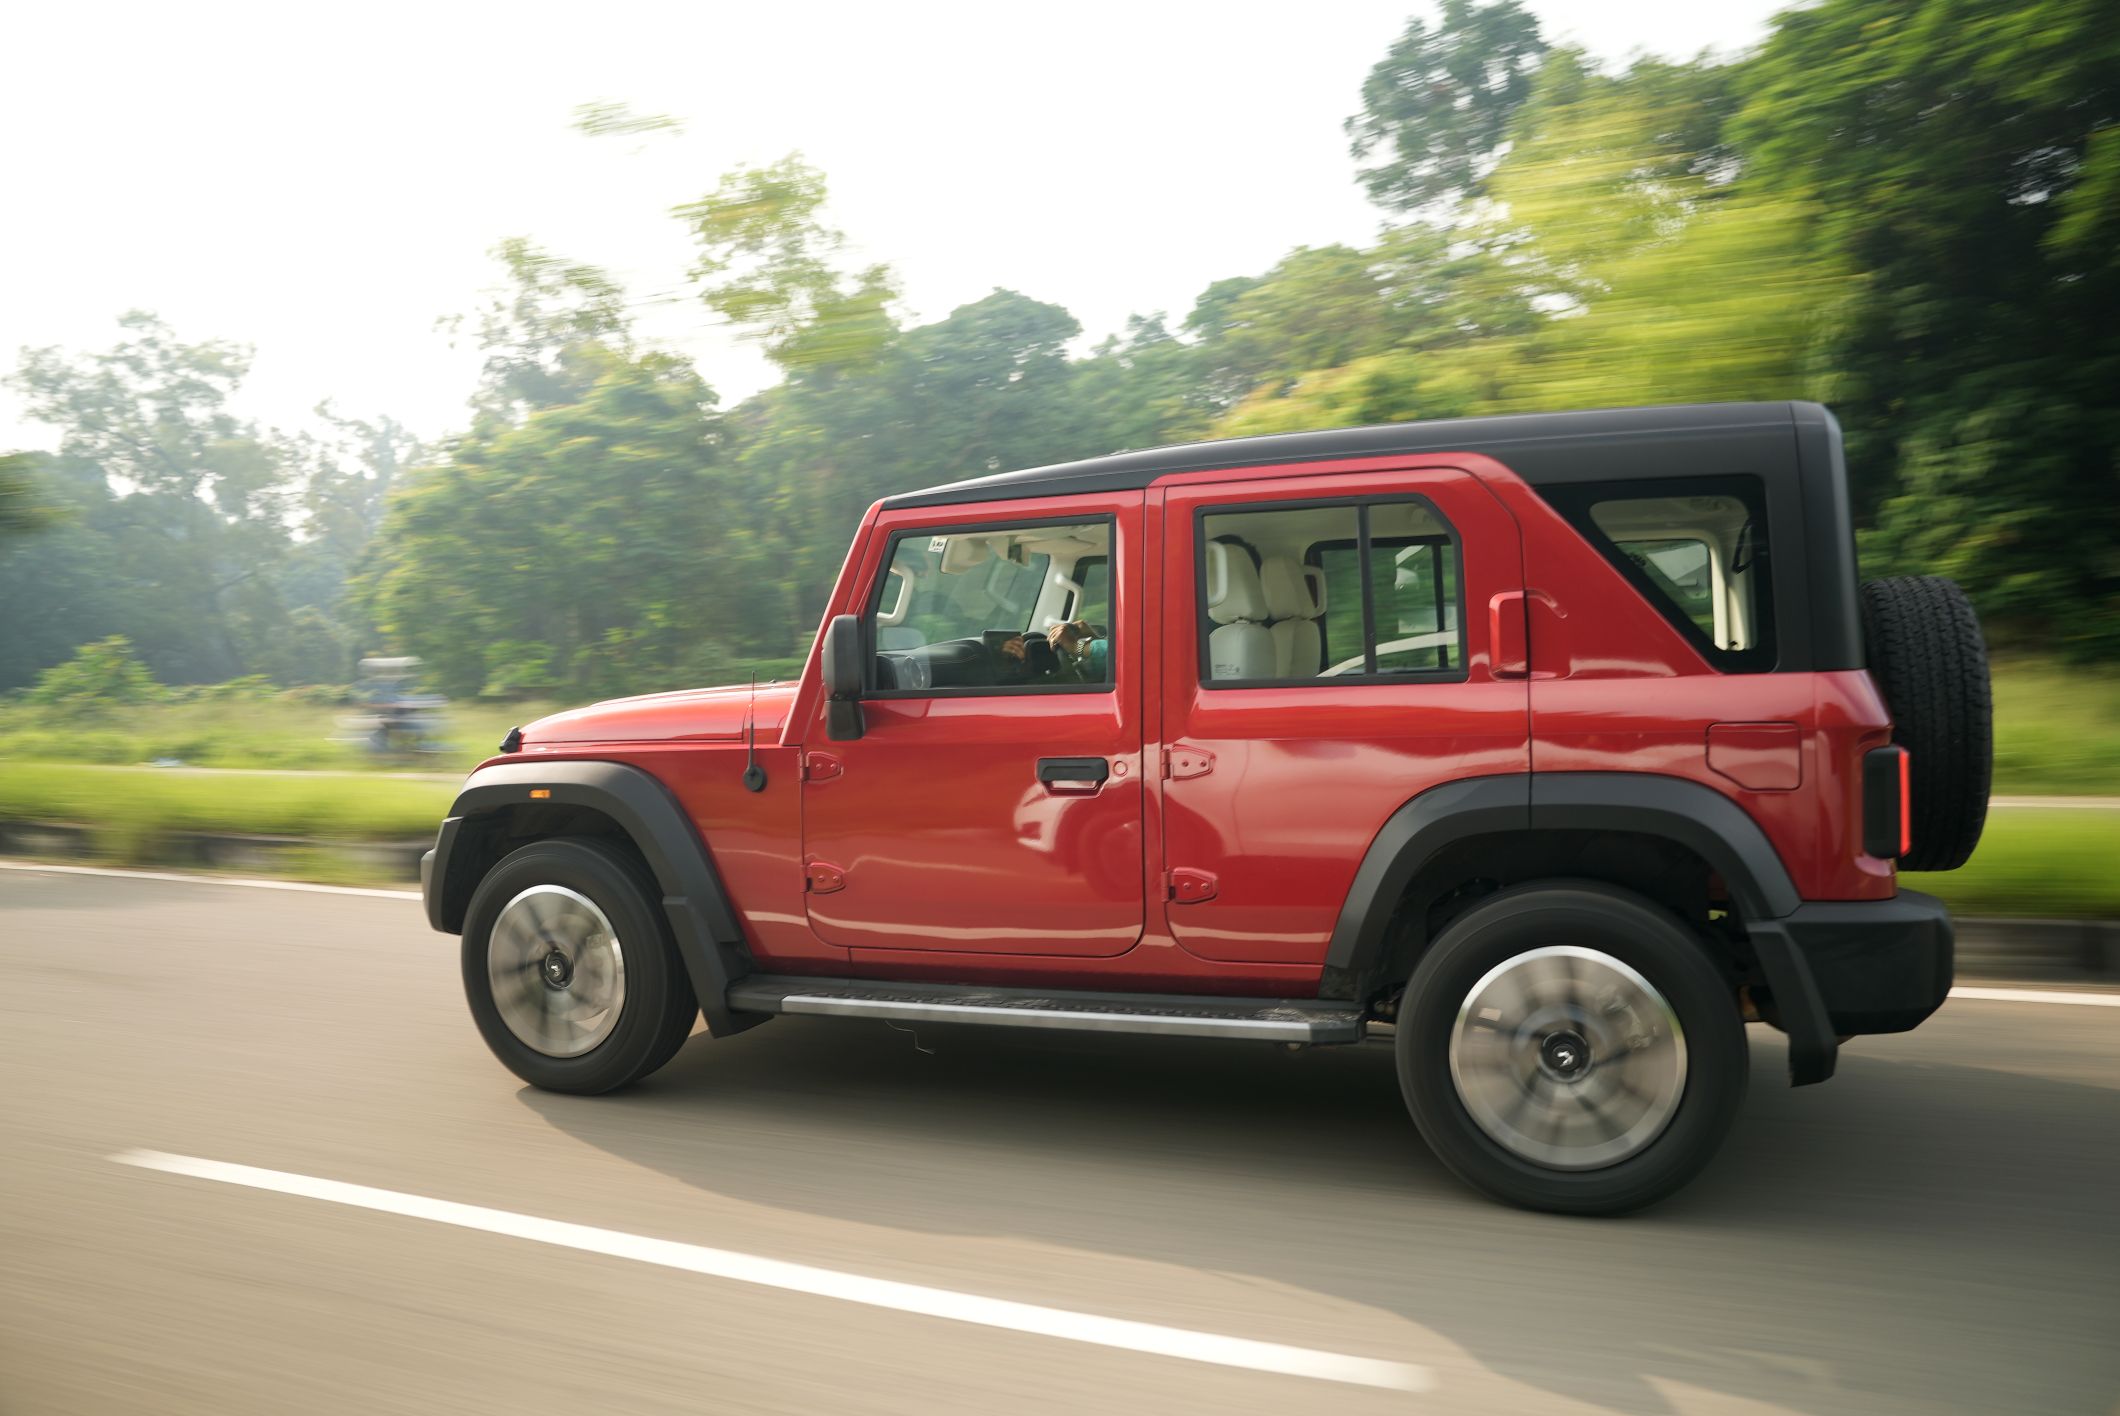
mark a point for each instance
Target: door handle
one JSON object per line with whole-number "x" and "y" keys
{"x": 1077, "y": 773}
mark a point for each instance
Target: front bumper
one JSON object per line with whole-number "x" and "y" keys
{"x": 434, "y": 879}
{"x": 1834, "y": 969}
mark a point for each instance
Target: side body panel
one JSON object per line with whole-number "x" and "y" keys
{"x": 1614, "y": 688}
{"x": 1275, "y": 791}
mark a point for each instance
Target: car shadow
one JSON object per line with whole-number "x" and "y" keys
{"x": 1914, "y": 1234}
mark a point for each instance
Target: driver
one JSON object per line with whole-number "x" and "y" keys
{"x": 1069, "y": 642}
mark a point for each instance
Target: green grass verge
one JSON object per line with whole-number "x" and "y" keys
{"x": 2057, "y": 730}
{"x": 274, "y": 733}
{"x": 127, "y": 808}
{"x": 2036, "y": 862}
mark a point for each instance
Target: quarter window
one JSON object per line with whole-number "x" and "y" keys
{"x": 1697, "y": 550}
{"x": 1350, "y": 591}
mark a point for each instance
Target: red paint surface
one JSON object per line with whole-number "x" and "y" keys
{"x": 957, "y": 863}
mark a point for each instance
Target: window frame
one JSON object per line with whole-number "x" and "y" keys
{"x": 1203, "y": 662}
{"x": 1576, "y": 500}
{"x": 873, "y": 604}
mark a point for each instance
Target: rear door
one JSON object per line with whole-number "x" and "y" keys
{"x": 994, "y": 802}
{"x": 1328, "y": 653}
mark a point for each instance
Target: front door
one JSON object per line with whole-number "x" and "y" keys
{"x": 993, "y": 803}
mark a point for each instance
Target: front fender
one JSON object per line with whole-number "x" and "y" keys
{"x": 709, "y": 938}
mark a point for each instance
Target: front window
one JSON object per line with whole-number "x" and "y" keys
{"x": 995, "y": 609}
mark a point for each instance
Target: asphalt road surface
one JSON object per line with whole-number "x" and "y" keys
{"x": 368, "y": 1215}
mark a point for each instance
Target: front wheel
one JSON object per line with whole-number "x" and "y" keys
{"x": 570, "y": 970}
{"x": 1571, "y": 1047}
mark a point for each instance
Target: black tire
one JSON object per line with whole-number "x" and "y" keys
{"x": 1930, "y": 663}
{"x": 1615, "y": 923}
{"x": 659, "y": 1006}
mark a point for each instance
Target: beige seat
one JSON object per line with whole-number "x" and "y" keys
{"x": 1241, "y": 647}
{"x": 1295, "y": 599}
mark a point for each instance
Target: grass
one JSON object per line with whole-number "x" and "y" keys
{"x": 2052, "y": 862}
{"x": 2045, "y": 862}
{"x": 285, "y": 732}
{"x": 2057, "y": 730}
{"x": 127, "y": 809}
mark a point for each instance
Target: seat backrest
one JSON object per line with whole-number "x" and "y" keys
{"x": 1295, "y": 598}
{"x": 1242, "y": 648}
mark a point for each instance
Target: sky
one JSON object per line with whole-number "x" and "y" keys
{"x": 324, "y": 183}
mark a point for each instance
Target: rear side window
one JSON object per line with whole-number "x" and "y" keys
{"x": 1294, "y": 592}
{"x": 1697, "y": 549}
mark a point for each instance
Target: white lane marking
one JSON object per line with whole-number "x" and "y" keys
{"x": 824, "y": 1283}
{"x": 2050, "y": 803}
{"x": 2038, "y": 995}
{"x": 304, "y": 886}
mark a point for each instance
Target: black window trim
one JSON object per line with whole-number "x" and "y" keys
{"x": 1387, "y": 543}
{"x": 1575, "y": 502}
{"x": 1108, "y": 520}
{"x": 1203, "y": 660}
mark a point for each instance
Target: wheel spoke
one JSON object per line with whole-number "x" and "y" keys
{"x": 556, "y": 970}
{"x": 1554, "y": 1080}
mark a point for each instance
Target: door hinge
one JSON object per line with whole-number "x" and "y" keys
{"x": 1186, "y": 886}
{"x": 1181, "y": 761}
{"x": 823, "y": 879}
{"x": 819, "y": 767}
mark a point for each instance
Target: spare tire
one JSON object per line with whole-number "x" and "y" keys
{"x": 1930, "y": 662}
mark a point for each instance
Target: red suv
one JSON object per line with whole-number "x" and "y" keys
{"x": 1561, "y": 745}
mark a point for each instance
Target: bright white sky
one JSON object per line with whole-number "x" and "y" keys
{"x": 323, "y": 181}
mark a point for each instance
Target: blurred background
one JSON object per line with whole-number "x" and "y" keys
{"x": 374, "y": 377}
{"x": 378, "y": 381}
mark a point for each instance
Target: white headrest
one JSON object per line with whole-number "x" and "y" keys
{"x": 1293, "y": 590}
{"x": 1233, "y": 590}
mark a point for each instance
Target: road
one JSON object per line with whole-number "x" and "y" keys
{"x": 1938, "y": 1229}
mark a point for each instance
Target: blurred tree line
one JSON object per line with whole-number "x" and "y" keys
{"x": 1908, "y": 211}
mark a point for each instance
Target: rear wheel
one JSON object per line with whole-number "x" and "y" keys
{"x": 1571, "y": 1047}
{"x": 570, "y": 971}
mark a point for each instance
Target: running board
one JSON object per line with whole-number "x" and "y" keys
{"x": 1296, "y": 1020}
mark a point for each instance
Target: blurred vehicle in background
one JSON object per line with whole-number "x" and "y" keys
{"x": 399, "y": 721}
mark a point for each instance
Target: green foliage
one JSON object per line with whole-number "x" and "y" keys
{"x": 101, "y": 673}
{"x": 2036, "y": 863}
{"x": 1437, "y": 107}
{"x": 21, "y": 509}
{"x": 765, "y": 265}
{"x": 606, "y": 119}
{"x": 129, "y": 807}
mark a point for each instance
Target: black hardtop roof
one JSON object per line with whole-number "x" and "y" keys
{"x": 1528, "y": 442}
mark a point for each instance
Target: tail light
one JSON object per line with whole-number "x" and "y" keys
{"x": 1887, "y": 803}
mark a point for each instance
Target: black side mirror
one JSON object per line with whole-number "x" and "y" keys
{"x": 842, "y": 666}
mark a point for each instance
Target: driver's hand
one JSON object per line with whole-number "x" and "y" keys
{"x": 1071, "y": 638}
{"x": 1013, "y": 648}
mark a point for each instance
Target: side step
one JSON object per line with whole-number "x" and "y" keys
{"x": 1263, "y": 1019}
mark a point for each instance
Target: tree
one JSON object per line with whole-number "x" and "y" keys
{"x": 1436, "y": 108}
{"x": 186, "y": 505}
{"x": 20, "y": 508}
{"x": 766, "y": 265}
{"x": 1964, "y": 157}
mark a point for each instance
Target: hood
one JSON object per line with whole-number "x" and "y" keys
{"x": 693, "y": 713}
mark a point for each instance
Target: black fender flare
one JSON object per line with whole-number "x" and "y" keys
{"x": 1695, "y": 816}
{"x": 709, "y": 938}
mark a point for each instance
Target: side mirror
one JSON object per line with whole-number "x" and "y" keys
{"x": 843, "y": 670}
